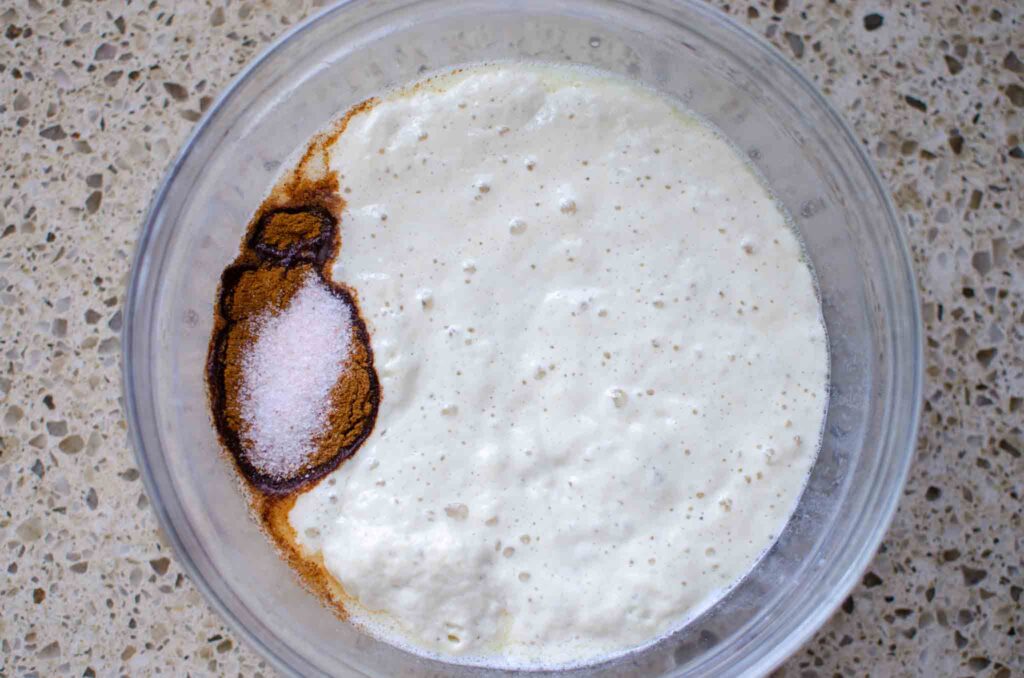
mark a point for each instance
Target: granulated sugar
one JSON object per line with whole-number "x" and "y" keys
{"x": 289, "y": 372}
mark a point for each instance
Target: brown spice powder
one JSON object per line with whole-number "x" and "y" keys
{"x": 286, "y": 230}
{"x": 293, "y": 235}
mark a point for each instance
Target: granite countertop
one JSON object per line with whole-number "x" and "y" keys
{"x": 98, "y": 96}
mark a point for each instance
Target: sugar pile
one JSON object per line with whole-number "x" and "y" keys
{"x": 288, "y": 375}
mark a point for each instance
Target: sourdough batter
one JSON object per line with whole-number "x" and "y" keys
{"x": 602, "y": 362}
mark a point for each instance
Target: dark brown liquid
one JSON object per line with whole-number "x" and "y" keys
{"x": 295, "y": 233}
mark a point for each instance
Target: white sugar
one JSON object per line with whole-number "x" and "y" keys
{"x": 288, "y": 375}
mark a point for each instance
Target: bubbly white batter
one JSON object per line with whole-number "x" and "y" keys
{"x": 602, "y": 361}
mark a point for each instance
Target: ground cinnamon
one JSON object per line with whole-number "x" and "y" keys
{"x": 285, "y": 230}
{"x": 294, "y": 234}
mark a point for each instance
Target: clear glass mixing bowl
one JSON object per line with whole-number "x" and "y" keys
{"x": 810, "y": 158}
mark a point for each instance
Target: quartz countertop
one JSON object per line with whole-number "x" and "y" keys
{"x": 97, "y": 97}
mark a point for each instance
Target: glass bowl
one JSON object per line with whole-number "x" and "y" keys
{"x": 808, "y": 155}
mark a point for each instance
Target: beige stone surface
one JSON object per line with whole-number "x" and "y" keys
{"x": 95, "y": 99}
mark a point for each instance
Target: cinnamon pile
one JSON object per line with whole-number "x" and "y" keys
{"x": 292, "y": 241}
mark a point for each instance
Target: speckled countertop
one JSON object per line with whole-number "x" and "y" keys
{"x": 96, "y": 97}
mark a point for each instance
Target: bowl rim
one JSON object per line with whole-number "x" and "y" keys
{"x": 153, "y": 223}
